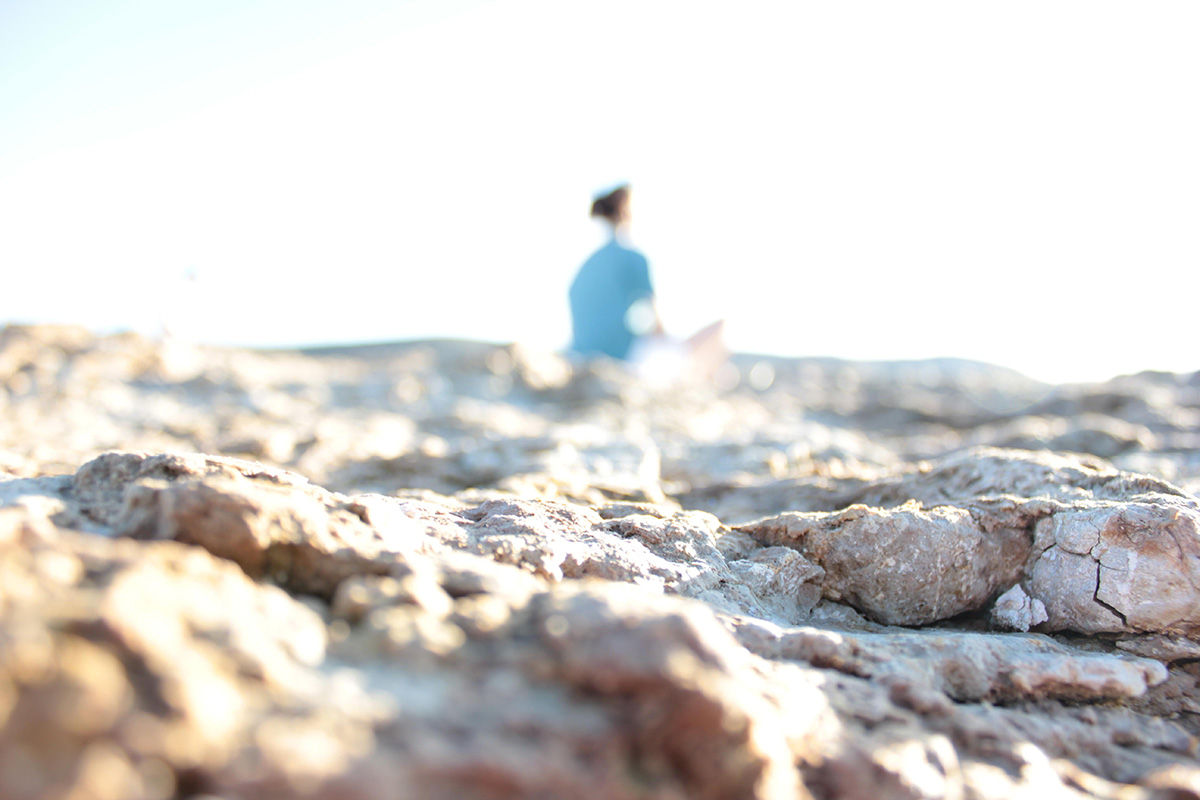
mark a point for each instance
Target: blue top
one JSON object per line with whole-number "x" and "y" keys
{"x": 608, "y": 284}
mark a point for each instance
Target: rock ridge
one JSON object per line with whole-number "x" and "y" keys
{"x": 457, "y": 570}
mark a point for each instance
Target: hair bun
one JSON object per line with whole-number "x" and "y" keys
{"x": 609, "y": 205}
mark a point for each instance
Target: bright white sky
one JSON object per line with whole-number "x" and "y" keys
{"x": 1013, "y": 182}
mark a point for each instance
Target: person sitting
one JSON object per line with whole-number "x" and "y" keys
{"x": 612, "y": 299}
{"x": 613, "y": 311}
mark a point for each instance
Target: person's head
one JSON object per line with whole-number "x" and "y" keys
{"x": 613, "y": 206}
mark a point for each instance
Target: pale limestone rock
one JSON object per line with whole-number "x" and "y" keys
{"x": 992, "y": 472}
{"x": 305, "y": 540}
{"x": 1163, "y": 648}
{"x": 556, "y": 541}
{"x": 99, "y": 486}
{"x": 46, "y": 497}
{"x": 1112, "y": 568}
{"x": 961, "y": 479}
{"x": 785, "y": 586}
{"x": 1016, "y": 611}
{"x": 907, "y": 565}
{"x": 963, "y": 666}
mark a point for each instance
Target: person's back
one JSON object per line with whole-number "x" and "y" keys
{"x": 608, "y": 286}
{"x": 613, "y": 313}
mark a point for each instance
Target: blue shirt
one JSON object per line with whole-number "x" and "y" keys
{"x": 608, "y": 284}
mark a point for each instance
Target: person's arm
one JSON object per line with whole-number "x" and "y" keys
{"x": 642, "y": 318}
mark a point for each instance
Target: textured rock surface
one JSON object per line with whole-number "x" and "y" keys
{"x": 1095, "y": 549}
{"x": 456, "y": 570}
{"x": 907, "y": 565}
{"x": 1140, "y": 562}
{"x": 1015, "y": 610}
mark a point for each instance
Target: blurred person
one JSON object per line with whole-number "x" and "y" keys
{"x": 613, "y": 311}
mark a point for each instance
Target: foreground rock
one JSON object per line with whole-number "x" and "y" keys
{"x": 532, "y": 580}
{"x": 1094, "y": 551}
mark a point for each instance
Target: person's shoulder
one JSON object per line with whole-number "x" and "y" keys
{"x": 615, "y": 255}
{"x": 626, "y": 252}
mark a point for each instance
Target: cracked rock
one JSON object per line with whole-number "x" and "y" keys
{"x": 902, "y": 566}
{"x": 1133, "y": 567}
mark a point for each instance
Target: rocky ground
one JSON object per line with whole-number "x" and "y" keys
{"x": 456, "y": 570}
